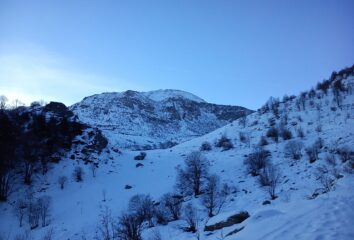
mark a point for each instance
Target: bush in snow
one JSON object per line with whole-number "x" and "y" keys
{"x": 312, "y": 152}
{"x": 257, "y": 160}
{"x": 20, "y": 210}
{"x": 225, "y": 143}
{"x": 206, "y": 146}
{"x": 129, "y": 227}
{"x": 93, "y": 168}
{"x": 61, "y": 181}
{"x": 263, "y": 141}
{"x": 141, "y": 156}
{"x": 190, "y": 179}
{"x": 286, "y": 134}
{"x": 300, "y": 133}
{"x": 270, "y": 177}
{"x": 215, "y": 195}
{"x": 171, "y": 206}
{"x": 44, "y": 203}
{"x": 273, "y": 133}
{"x": 191, "y": 218}
{"x": 78, "y": 174}
{"x": 325, "y": 178}
{"x": 346, "y": 154}
{"x": 293, "y": 149}
{"x": 106, "y": 228}
{"x": 143, "y": 207}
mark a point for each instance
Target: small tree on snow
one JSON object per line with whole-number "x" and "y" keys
{"x": 293, "y": 149}
{"x": 143, "y": 207}
{"x": 44, "y": 207}
{"x": 172, "y": 205}
{"x": 272, "y": 175}
{"x": 78, "y": 174}
{"x": 61, "y": 181}
{"x": 20, "y": 210}
{"x": 215, "y": 195}
{"x": 190, "y": 179}
{"x": 191, "y": 218}
{"x": 257, "y": 160}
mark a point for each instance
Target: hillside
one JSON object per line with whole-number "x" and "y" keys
{"x": 156, "y": 119}
{"x": 312, "y": 198}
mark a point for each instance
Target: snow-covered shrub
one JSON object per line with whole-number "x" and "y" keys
{"x": 293, "y": 149}
{"x": 190, "y": 179}
{"x": 257, "y": 160}
{"x": 286, "y": 134}
{"x": 225, "y": 143}
{"x": 263, "y": 141}
{"x": 44, "y": 204}
{"x": 270, "y": 177}
{"x": 143, "y": 207}
{"x": 129, "y": 227}
{"x": 171, "y": 204}
{"x": 20, "y": 210}
{"x": 191, "y": 218}
{"x": 215, "y": 195}
{"x": 273, "y": 133}
{"x": 141, "y": 156}
{"x": 61, "y": 181}
{"x": 78, "y": 174}
{"x": 313, "y": 151}
{"x": 206, "y": 146}
{"x": 325, "y": 178}
{"x": 300, "y": 132}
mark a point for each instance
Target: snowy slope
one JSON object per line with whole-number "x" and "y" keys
{"x": 156, "y": 119}
{"x": 293, "y": 215}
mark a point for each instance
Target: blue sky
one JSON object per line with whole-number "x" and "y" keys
{"x": 227, "y": 52}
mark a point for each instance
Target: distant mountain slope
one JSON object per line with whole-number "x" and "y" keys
{"x": 155, "y": 119}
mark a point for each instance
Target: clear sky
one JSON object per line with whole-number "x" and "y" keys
{"x": 226, "y": 52}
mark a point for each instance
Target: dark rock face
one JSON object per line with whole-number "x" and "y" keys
{"x": 58, "y": 109}
{"x": 234, "y": 219}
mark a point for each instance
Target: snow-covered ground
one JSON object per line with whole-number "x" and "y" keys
{"x": 293, "y": 215}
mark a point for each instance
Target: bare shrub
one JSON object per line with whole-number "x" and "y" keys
{"x": 273, "y": 133}
{"x": 78, "y": 174}
{"x": 225, "y": 143}
{"x": 61, "y": 181}
{"x": 286, "y": 134}
{"x": 263, "y": 141}
{"x": 346, "y": 154}
{"x": 271, "y": 178}
{"x": 206, "y": 146}
{"x": 20, "y": 210}
{"x": 106, "y": 228}
{"x": 312, "y": 152}
{"x": 257, "y": 160}
{"x": 293, "y": 149}
{"x": 93, "y": 168}
{"x": 172, "y": 205}
{"x": 215, "y": 195}
{"x": 129, "y": 227}
{"x": 143, "y": 207}
{"x": 44, "y": 203}
{"x": 191, "y": 218}
{"x": 325, "y": 178}
{"x": 190, "y": 179}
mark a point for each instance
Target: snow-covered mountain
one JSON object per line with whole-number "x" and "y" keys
{"x": 314, "y": 192}
{"x": 155, "y": 119}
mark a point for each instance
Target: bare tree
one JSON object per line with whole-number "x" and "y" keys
{"x": 93, "y": 167}
{"x": 257, "y": 160}
{"x": 129, "y": 227}
{"x": 78, "y": 174}
{"x": 191, "y": 218}
{"x": 325, "y": 178}
{"x": 62, "y": 180}
{"x": 173, "y": 205}
{"x": 143, "y": 207}
{"x": 44, "y": 207}
{"x": 3, "y": 102}
{"x": 20, "y": 210}
{"x": 106, "y": 229}
{"x": 293, "y": 149}
{"x": 272, "y": 176}
{"x": 215, "y": 195}
{"x": 190, "y": 179}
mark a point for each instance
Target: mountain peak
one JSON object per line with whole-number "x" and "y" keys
{"x": 164, "y": 94}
